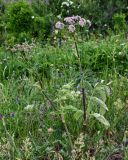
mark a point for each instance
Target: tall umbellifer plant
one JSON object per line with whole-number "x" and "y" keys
{"x": 71, "y": 24}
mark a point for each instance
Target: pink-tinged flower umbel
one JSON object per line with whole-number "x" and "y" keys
{"x": 69, "y": 20}
{"x": 71, "y": 28}
{"x": 72, "y": 20}
{"x": 59, "y": 25}
{"x": 76, "y": 18}
{"x": 82, "y": 22}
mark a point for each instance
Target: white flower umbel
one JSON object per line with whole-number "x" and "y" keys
{"x": 65, "y": 4}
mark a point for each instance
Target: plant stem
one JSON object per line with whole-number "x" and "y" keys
{"x": 84, "y": 108}
{"x": 83, "y": 89}
{"x": 45, "y": 95}
{"x": 78, "y": 56}
{"x": 67, "y": 131}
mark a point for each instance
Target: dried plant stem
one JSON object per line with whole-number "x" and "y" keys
{"x": 83, "y": 89}
{"x": 84, "y": 107}
{"x": 67, "y": 131}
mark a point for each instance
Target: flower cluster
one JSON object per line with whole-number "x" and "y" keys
{"x": 66, "y": 3}
{"x": 71, "y": 22}
{"x": 67, "y": 7}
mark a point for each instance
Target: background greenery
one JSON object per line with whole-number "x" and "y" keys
{"x": 17, "y": 24}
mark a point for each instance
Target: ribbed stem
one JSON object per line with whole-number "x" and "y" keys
{"x": 83, "y": 89}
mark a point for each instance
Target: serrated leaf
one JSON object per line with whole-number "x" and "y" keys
{"x": 101, "y": 119}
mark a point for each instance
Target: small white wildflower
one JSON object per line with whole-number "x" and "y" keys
{"x": 29, "y": 107}
{"x": 32, "y": 17}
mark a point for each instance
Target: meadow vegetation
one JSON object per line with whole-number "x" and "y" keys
{"x": 63, "y": 96}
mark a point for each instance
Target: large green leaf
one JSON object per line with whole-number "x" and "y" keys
{"x": 94, "y": 101}
{"x": 101, "y": 119}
